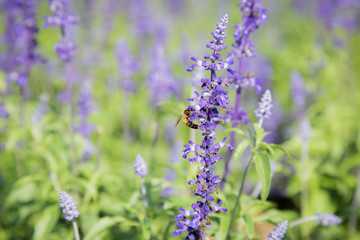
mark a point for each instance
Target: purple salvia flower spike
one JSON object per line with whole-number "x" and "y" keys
{"x": 328, "y": 219}
{"x": 194, "y": 222}
{"x": 279, "y": 231}
{"x": 68, "y": 206}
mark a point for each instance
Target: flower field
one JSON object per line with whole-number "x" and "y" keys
{"x": 180, "y": 119}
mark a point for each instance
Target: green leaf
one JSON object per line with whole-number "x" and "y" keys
{"x": 224, "y": 226}
{"x": 241, "y": 148}
{"x": 275, "y": 146}
{"x": 249, "y": 226}
{"x": 46, "y": 222}
{"x": 101, "y": 226}
{"x": 237, "y": 131}
{"x": 263, "y": 170}
{"x": 260, "y": 134}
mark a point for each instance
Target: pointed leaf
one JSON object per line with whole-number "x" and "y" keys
{"x": 263, "y": 170}
{"x": 102, "y": 225}
{"x": 241, "y": 148}
{"x": 249, "y": 226}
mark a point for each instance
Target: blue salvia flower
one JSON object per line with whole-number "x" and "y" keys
{"x": 161, "y": 79}
{"x": 140, "y": 166}
{"x": 60, "y": 17}
{"x": 3, "y": 111}
{"x": 328, "y": 219}
{"x": 298, "y": 89}
{"x": 68, "y": 206}
{"x": 265, "y": 106}
{"x": 305, "y": 129}
{"x": 253, "y": 14}
{"x": 194, "y": 222}
{"x": 66, "y": 47}
{"x": 41, "y": 109}
{"x": 86, "y": 103}
{"x": 279, "y": 231}
{"x": 127, "y": 65}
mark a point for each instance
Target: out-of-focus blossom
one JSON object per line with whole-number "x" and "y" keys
{"x": 161, "y": 81}
{"x": 328, "y": 219}
{"x": 66, "y": 50}
{"x": 305, "y": 130}
{"x": 86, "y": 103}
{"x": 298, "y": 89}
{"x": 3, "y": 111}
{"x": 68, "y": 206}
{"x": 127, "y": 65}
{"x": 279, "y": 231}
{"x": 41, "y": 109}
{"x": 140, "y": 166}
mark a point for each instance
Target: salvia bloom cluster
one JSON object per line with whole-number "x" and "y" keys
{"x": 253, "y": 14}
{"x": 60, "y": 18}
{"x": 194, "y": 222}
{"x": 328, "y": 219}
{"x": 279, "y": 231}
{"x": 265, "y": 106}
{"x": 140, "y": 166}
{"x": 68, "y": 206}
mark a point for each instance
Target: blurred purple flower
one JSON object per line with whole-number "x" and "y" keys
{"x": 169, "y": 191}
{"x": 86, "y": 103}
{"x": 305, "y": 130}
{"x": 66, "y": 50}
{"x": 60, "y": 17}
{"x": 161, "y": 79}
{"x": 328, "y": 219}
{"x": 20, "y": 40}
{"x": 41, "y": 109}
{"x": 68, "y": 206}
{"x": 273, "y": 123}
{"x": 140, "y": 166}
{"x": 3, "y": 112}
{"x": 298, "y": 89}
{"x": 127, "y": 65}
{"x": 279, "y": 231}
{"x": 85, "y": 129}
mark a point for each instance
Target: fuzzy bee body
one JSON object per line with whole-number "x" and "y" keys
{"x": 186, "y": 114}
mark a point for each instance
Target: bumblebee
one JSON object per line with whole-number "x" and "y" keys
{"x": 186, "y": 114}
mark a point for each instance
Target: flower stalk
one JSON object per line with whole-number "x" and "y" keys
{"x": 253, "y": 15}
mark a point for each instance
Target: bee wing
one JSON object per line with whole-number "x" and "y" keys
{"x": 178, "y": 120}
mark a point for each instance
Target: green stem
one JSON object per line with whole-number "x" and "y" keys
{"x": 303, "y": 220}
{"x": 233, "y": 212}
{"x": 76, "y": 230}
